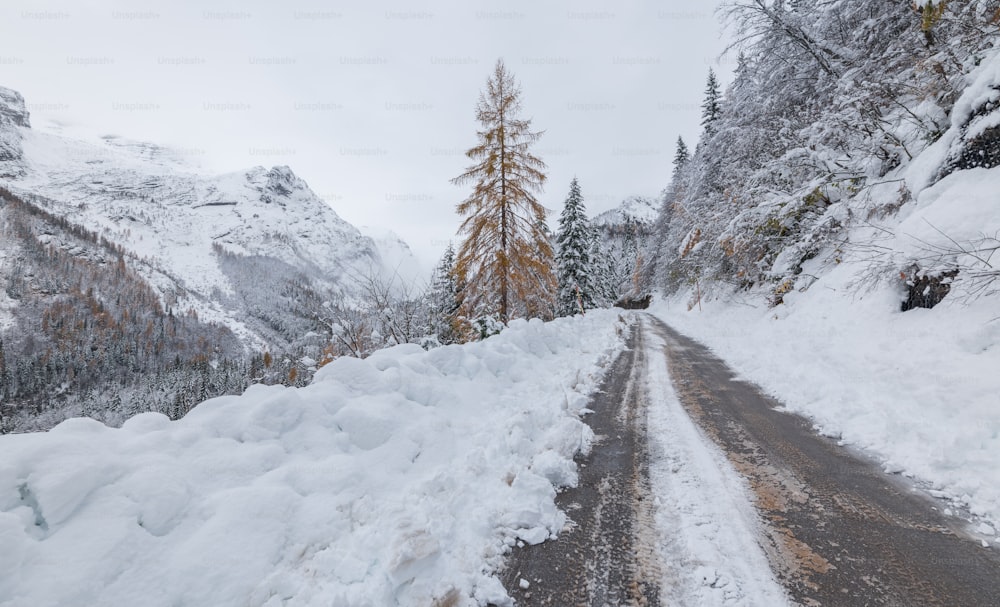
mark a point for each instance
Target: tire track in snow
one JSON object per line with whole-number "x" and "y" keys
{"x": 838, "y": 531}
{"x": 606, "y": 555}
{"x": 709, "y": 527}
{"x": 659, "y": 516}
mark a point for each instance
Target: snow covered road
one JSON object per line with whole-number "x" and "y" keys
{"x": 700, "y": 490}
{"x": 659, "y": 516}
{"x": 838, "y": 530}
{"x": 404, "y": 479}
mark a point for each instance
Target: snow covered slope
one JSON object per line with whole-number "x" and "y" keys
{"x": 397, "y": 256}
{"x": 917, "y": 388}
{"x": 174, "y": 220}
{"x": 634, "y": 209}
{"x": 13, "y": 114}
{"x": 394, "y": 480}
{"x": 624, "y": 232}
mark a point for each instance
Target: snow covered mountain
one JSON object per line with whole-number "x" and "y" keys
{"x": 624, "y": 232}
{"x": 191, "y": 235}
{"x": 13, "y": 114}
{"x": 396, "y": 255}
{"x": 635, "y": 209}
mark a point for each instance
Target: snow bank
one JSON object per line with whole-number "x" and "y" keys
{"x": 401, "y": 479}
{"x": 918, "y": 389}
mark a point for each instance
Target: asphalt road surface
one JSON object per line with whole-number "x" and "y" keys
{"x": 837, "y": 530}
{"x": 606, "y": 555}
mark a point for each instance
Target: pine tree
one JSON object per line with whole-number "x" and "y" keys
{"x": 505, "y": 260}
{"x": 602, "y": 266}
{"x": 711, "y": 108}
{"x": 574, "y": 266}
{"x": 681, "y": 156}
{"x": 3, "y": 374}
{"x": 672, "y": 193}
{"x": 443, "y": 299}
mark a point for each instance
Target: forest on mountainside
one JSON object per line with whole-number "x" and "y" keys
{"x": 87, "y": 334}
{"x": 829, "y": 104}
{"x": 88, "y": 331}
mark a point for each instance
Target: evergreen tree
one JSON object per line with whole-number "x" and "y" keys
{"x": 711, "y": 108}
{"x": 3, "y": 374}
{"x": 443, "y": 299}
{"x": 602, "y": 270}
{"x": 505, "y": 260}
{"x": 681, "y": 156}
{"x": 574, "y": 265}
{"x": 627, "y": 262}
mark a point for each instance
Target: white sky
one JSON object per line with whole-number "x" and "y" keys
{"x": 372, "y": 103}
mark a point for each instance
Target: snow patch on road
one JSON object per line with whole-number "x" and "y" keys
{"x": 705, "y": 511}
{"x": 400, "y": 479}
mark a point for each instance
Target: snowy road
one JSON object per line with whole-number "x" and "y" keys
{"x": 699, "y": 492}
{"x": 659, "y": 516}
{"x": 838, "y": 530}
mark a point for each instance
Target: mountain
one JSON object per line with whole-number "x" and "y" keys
{"x": 396, "y": 256}
{"x": 225, "y": 267}
{"x": 632, "y": 210}
{"x": 175, "y": 223}
{"x": 13, "y": 114}
{"x": 623, "y": 232}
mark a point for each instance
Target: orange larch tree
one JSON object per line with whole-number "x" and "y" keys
{"x": 505, "y": 261}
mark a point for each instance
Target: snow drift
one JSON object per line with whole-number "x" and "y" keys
{"x": 400, "y": 479}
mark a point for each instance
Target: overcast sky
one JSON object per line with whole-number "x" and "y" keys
{"x": 372, "y": 102}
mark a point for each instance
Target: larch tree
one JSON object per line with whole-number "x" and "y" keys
{"x": 574, "y": 266}
{"x": 505, "y": 261}
{"x": 541, "y": 303}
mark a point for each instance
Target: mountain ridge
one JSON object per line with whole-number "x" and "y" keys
{"x": 171, "y": 217}
{"x": 131, "y": 280}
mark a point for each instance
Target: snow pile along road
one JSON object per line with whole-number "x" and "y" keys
{"x": 401, "y": 479}
{"x": 918, "y": 389}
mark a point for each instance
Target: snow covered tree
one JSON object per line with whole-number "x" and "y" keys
{"x": 574, "y": 266}
{"x": 711, "y": 108}
{"x": 681, "y": 156}
{"x": 3, "y": 374}
{"x": 602, "y": 270}
{"x": 541, "y": 302}
{"x": 827, "y": 99}
{"x": 505, "y": 260}
{"x": 443, "y": 299}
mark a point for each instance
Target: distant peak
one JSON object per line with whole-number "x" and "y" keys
{"x": 632, "y": 208}
{"x": 12, "y": 107}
